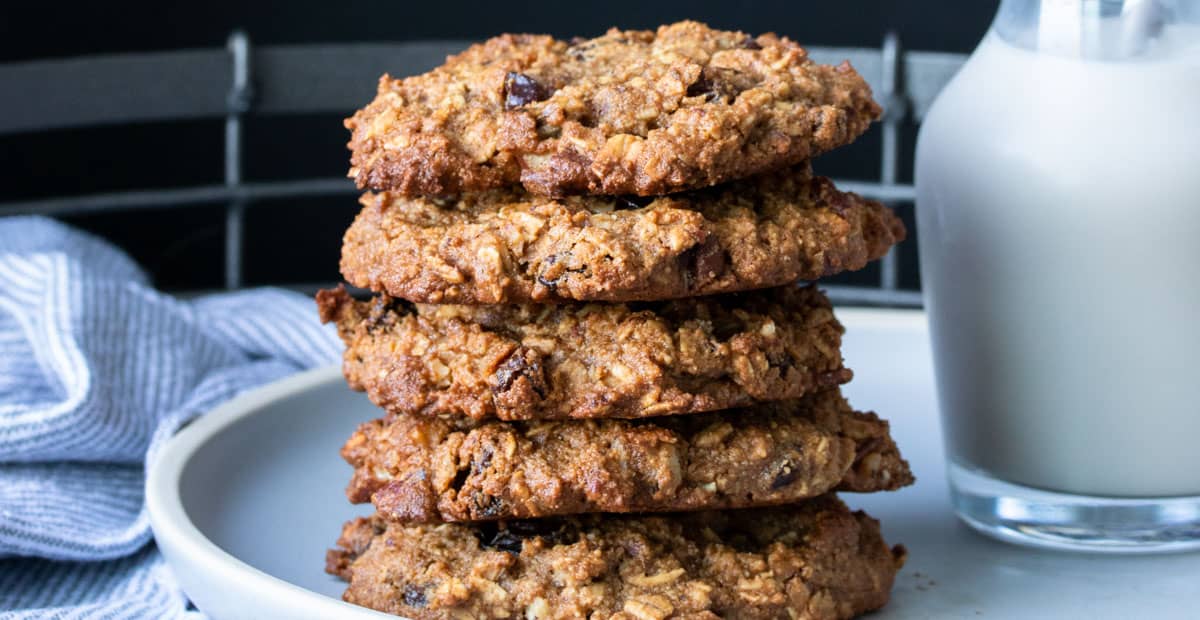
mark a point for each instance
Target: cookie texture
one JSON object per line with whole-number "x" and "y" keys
{"x": 421, "y": 470}
{"x": 505, "y": 246}
{"x": 815, "y": 561}
{"x": 630, "y": 112}
{"x": 526, "y": 362}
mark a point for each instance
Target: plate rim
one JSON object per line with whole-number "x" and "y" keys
{"x": 174, "y": 529}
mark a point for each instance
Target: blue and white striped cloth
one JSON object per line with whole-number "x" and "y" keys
{"x": 96, "y": 370}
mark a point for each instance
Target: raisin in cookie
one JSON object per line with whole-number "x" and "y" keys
{"x": 525, "y": 362}
{"x": 420, "y": 469}
{"x": 815, "y": 561}
{"x": 631, "y": 112}
{"x": 511, "y": 247}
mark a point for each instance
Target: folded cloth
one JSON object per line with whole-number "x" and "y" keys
{"x": 97, "y": 369}
{"x": 138, "y": 586}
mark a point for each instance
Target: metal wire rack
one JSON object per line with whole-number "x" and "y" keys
{"x": 231, "y": 82}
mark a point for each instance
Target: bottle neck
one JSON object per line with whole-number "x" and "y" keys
{"x": 1090, "y": 29}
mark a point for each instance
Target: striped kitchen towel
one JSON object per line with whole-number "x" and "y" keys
{"x": 96, "y": 370}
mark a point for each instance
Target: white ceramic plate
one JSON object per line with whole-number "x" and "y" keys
{"x": 245, "y": 501}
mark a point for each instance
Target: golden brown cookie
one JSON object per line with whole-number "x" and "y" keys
{"x": 510, "y": 247}
{"x": 588, "y": 360}
{"x": 630, "y": 112}
{"x": 420, "y": 470}
{"x": 814, "y": 561}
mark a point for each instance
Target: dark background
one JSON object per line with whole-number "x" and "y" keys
{"x": 297, "y": 241}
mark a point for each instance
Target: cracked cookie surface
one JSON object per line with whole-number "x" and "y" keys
{"x": 630, "y": 112}
{"x": 524, "y": 362}
{"x": 422, "y": 470}
{"x": 814, "y": 561}
{"x": 507, "y": 246}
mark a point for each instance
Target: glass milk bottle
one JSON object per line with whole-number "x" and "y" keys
{"x": 1058, "y": 216}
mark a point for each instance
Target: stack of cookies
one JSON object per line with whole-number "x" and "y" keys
{"x": 606, "y": 395}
